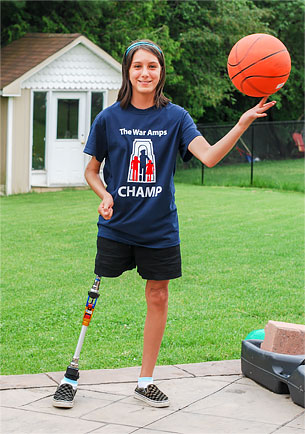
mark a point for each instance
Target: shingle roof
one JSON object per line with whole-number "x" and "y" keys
{"x": 27, "y": 52}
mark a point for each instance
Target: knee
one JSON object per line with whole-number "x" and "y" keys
{"x": 157, "y": 295}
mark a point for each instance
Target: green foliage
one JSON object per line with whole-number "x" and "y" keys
{"x": 287, "y": 24}
{"x": 207, "y": 31}
{"x": 196, "y": 37}
{"x": 140, "y": 20}
{"x": 23, "y": 17}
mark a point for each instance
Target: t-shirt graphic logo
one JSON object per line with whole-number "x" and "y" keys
{"x": 142, "y": 166}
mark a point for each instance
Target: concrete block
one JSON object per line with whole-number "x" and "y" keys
{"x": 284, "y": 338}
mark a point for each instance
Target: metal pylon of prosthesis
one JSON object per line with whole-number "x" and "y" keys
{"x": 72, "y": 371}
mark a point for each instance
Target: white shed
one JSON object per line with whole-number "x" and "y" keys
{"x": 53, "y": 86}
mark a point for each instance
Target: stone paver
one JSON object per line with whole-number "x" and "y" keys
{"x": 122, "y": 375}
{"x": 22, "y": 381}
{"x": 206, "y": 398}
{"x": 117, "y": 429}
{"x": 287, "y": 430}
{"x": 298, "y": 422}
{"x": 235, "y": 400}
{"x": 193, "y": 423}
{"x": 26, "y": 422}
{"x": 227, "y": 367}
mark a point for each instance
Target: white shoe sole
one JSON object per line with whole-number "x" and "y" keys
{"x": 62, "y": 404}
{"x": 151, "y": 402}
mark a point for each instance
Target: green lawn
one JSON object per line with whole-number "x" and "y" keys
{"x": 243, "y": 258}
{"x": 282, "y": 175}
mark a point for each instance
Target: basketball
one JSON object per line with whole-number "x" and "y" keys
{"x": 259, "y": 65}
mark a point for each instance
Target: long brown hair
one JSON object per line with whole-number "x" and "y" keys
{"x": 125, "y": 93}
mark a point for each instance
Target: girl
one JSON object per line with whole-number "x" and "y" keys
{"x": 138, "y": 137}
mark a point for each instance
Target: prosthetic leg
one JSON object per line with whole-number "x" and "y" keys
{"x": 65, "y": 393}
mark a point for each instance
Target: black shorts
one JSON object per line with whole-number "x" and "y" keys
{"x": 113, "y": 258}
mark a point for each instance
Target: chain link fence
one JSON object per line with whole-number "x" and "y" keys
{"x": 263, "y": 141}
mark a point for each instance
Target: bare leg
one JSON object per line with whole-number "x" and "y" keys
{"x": 156, "y": 293}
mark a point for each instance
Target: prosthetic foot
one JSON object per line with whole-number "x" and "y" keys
{"x": 66, "y": 391}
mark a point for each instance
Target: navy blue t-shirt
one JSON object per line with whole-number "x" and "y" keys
{"x": 140, "y": 148}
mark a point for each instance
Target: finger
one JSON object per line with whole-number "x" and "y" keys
{"x": 263, "y": 101}
{"x": 107, "y": 208}
{"x": 268, "y": 105}
{"x": 107, "y": 211}
{"x": 107, "y": 214}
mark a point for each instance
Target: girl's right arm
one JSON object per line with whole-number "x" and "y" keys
{"x": 211, "y": 155}
{"x": 92, "y": 175}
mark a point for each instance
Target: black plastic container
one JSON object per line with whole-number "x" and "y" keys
{"x": 281, "y": 373}
{"x": 296, "y": 385}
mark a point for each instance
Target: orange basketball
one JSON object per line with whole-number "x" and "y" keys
{"x": 259, "y": 65}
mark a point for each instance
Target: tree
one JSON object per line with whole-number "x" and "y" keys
{"x": 21, "y": 17}
{"x": 196, "y": 37}
{"x": 207, "y": 31}
{"x": 287, "y": 23}
{"x": 139, "y": 20}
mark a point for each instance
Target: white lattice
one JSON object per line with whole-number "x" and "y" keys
{"x": 79, "y": 68}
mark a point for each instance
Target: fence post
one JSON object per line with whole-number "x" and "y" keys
{"x": 202, "y": 173}
{"x": 252, "y": 154}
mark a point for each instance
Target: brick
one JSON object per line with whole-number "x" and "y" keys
{"x": 284, "y": 338}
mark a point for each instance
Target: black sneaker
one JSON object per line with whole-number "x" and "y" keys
{"x": 152, "y": 395}
{"x": 64, "y": 396}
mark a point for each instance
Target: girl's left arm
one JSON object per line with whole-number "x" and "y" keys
{"x": 211, "y": 155}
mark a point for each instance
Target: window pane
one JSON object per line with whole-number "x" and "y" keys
{"x": 97, "y": 104}
{"x": 67, "y": 119}
{"x": 39, "y": 130}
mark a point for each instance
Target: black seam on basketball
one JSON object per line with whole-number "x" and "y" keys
{"x": 254, "y": 42}
{"x": 263, "y": 58}
{"x": 257, "y": 76}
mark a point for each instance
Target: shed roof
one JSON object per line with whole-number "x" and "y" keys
{"x": 27, "y": 52}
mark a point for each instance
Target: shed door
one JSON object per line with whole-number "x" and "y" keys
{"x": 66, "y": 161}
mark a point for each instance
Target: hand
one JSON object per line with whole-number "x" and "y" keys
{"x": 105, "y": 209}
{"x": 256, "y": 112}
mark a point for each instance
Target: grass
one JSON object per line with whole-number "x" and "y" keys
{"x": 282, "y": 175}
{"x": 242, "y": 251}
